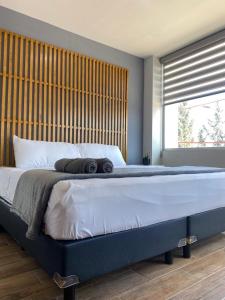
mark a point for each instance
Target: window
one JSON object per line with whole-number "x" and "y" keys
{"x": 194, "y": 95}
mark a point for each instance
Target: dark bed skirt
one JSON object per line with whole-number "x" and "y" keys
{"x": 205, "y": 224}
{"x": 95, "y": 256}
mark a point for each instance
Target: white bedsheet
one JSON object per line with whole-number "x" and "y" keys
{"x": 83, "y": 208}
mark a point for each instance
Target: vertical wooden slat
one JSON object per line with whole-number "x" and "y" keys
{"x": 75, "y": 100}
{"x": 59, "y": 92}
{"x": 104, "y": 103}
{"x": 78, "y": 95}
{"x": 110, "y": 105}
{"x": 67, "y": 97}
{"x": 82, "y": 101}
{"x": 49, "y": 104}
{"x": 113, "y": 105}
{"x": 36, "y": 62}
{"x": 45, "y": 92}
{"x": 116, "y": 106}
{"x": 54, "y": 111}
{"x": 100, "y": 104}
{"x": 71, "y": 97}
{"x": 126, "y": 115}
{"x": 87, "y": 99}
{"x": 122, "y": 119}
{"x": 93, "y": 137}
{"x": 30, "y": 99}
{"x": 20, "y": 85}
{"x": 15, "y": 95}
{"x": 1, "y": 32}
{"x": 40, "y": 115}
{"x": 25, "y": 91}
{"x": 3, "y": 102}
{"x": 9, "y": 95}
{"x": 90, "y": 101}
{"x": 107, "y": 104}
{"x": 97, "y": 102}
{"x": 119, "y": 109}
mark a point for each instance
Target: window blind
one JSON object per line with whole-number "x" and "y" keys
{"x": 195, "y": 71}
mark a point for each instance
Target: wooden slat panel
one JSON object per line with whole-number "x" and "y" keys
{"x": 53, "y": 94}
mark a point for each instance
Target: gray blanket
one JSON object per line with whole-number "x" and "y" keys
{"x": 34, "y": 189}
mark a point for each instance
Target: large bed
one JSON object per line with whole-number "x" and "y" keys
{"x": 95, "y": 226}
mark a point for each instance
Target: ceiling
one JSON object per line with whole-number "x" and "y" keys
{"x": 139, "y": 27}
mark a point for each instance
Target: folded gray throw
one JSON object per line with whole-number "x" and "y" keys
{"x": 76, "y": 166}
{"x": 104, "y": 165}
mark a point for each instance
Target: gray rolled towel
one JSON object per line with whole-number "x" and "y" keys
{"x": 104, "y": 165}
{"x": 76, "y": 166}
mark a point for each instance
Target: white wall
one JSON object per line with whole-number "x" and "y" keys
{"x": 196, "y": 156}
{"x": 152, "y": 115}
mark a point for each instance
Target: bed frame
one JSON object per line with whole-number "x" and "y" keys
{"x": 203, "y": 225}
{"x": 73, "y": 262}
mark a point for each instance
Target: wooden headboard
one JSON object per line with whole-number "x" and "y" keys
{"x": 54, "y": 94}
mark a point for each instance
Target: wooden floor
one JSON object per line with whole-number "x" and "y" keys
{"x": 201, "y": 277}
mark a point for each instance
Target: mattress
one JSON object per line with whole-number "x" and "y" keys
{"x": 79, "y": 209}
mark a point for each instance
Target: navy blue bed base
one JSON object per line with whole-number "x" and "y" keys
{"x": 72, "y": 262}
{"x": 204, "y": 225}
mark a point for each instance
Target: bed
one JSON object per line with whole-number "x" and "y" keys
{"x": 157, "y": 227}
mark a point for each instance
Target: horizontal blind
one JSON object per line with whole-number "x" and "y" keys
{"x": 195, "y": 71}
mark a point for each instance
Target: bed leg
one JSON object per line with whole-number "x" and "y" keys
{"x": 68, "y": 285}
{"x": 187, "y": 251}
{"x": 69, "y": 293}
{"x": 169, "y": 258}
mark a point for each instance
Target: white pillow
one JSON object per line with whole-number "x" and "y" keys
{"x": 38, "y": 154}
{"x": 101, "y": 151}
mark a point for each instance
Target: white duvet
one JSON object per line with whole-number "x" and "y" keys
{"x": 79, "y": 209}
